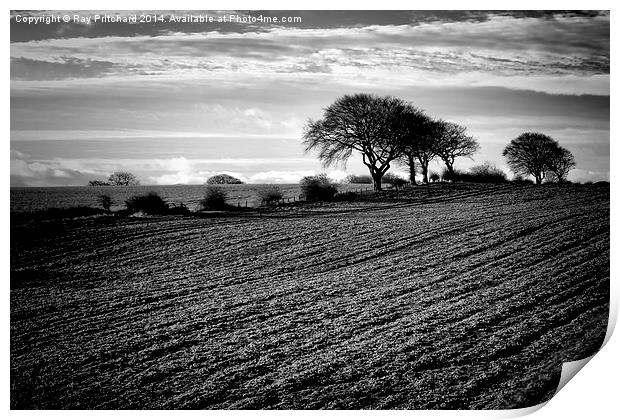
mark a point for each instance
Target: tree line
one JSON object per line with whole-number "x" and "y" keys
{"x": 387, "y": 130}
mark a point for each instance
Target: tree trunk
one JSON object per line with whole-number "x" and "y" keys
{"x": 450, "y": 171}
{"x": 538, "y": 179}
{"x": 425, "y": 173}
{"x": 412, "y": 170}
{"x": 376, "y": 181}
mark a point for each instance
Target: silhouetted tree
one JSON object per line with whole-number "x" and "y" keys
{"x": 364, "y": 123}
{"x": 423, "y": 144}
{"x": 123, "y": 178}
{"x": 416, "y": 141}
{"x": 531, "y": 154}
{"x": 562, "y": 161}
{"x": 453, "y": 142}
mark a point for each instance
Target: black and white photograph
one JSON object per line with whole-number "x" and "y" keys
{"x": 306, "y": 209}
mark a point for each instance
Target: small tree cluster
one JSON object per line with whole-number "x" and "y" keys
{"x": 119, "y": 178}
{"x": 223, "y": 179}
{"x": 384, "y": 129}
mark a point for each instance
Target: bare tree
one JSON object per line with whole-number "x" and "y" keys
{"x": 363, "y": 123}
{"x": 123, "y": 178}
{"x": 453, "y": 142}
{"x": 419, "y": 143}
{"x": 531, "y": 154}
{"x": 561, "y": 163}
{"x": 427, "y": 147}
{"x": 415, "y": 140}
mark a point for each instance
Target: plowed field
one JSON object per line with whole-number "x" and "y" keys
{"x": 448, "y": 297}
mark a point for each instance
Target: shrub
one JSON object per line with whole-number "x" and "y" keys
{"x": 394, "y": 180}
{"x": 223, "y": 179}
{"x": 485, "y": 173}
{"x": 215, "y": 199}
{"x": 318, "y": 188}
{"x": 434, "y": 177}
{"x": 358, "y": 179}
{"x": 270, "y": 194}
{"x": 150, "y": 203}
{"x": 105, "y": 201}
{"x": 520, "y": 180}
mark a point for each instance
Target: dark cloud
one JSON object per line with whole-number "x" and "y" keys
{"x": 65, "y": 68}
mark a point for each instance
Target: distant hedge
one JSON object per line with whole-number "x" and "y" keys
{"x": 485, "y": 173}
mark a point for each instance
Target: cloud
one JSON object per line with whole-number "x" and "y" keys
{"x": 26, "y": 173}
{"x": 573, "y": 49}
{"x": 62, "y": 68}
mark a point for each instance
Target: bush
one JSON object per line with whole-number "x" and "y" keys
{"x": 150, "y": 203}
{"x": 434, "y": 177}
{"x": 105, "y": 201}
{"x": 485, "y": 173}
{"x": 358, "y": 179}
{"x": 394, "y": 180}
{"x": 215, "y": 199}
{"x": 223, "y": 179}
{"x": 318, "y": 188}
{"x": 270, "y": 194}
{"x": 519, "y": 180}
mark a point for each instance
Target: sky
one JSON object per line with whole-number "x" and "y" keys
{"x": 175, "y": 102}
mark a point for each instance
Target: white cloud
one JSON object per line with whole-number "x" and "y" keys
{"x": 279, "y": 177}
